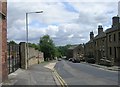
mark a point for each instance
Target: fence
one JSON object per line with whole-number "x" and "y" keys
{"x": 13, "y": 56}
{"x": 17, "y": 58}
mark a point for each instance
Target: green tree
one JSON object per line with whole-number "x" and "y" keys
{"x": 58, "y": 52}
{"x": 12, "y": 42}
{"x": 63, "y": 50}
{"x": 47, "y": 47}
{"x": 33, "y": 45}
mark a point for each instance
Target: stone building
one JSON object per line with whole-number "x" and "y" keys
{"x": 3, "y": 40}
{"x": 89, "y": 47}
{"x": 105, "y": 47}
{"x": 71, "y": 51}
{"x": 76, "y": 52}
{"x": 100, "y": 45}
{"x": 113, "y": 41}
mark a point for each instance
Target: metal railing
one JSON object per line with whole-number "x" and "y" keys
{"x": 13, "y": 56}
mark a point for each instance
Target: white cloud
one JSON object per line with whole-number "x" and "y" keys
{"x": 65, "y": 27}
{"x": 70, "y": 36}
{"x": 63, "y": 0}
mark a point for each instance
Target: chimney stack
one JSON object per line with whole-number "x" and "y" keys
{"x": 100, "y": 29}
{"x": 91, "y": 35}
{"x": 115, "y": 21}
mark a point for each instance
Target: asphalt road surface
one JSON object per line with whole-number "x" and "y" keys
{"x": 85, "y": 74}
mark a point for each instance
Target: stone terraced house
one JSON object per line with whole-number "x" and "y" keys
{"x": 105, "y": 47}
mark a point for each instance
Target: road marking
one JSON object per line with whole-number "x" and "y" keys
{"x": 62, "y": 82}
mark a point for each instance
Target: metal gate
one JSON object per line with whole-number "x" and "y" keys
{"x": 13, "y": 55}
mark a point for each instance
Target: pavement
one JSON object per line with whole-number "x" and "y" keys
{"x": 113, "y": 68}
{"x": 39, "y": 74}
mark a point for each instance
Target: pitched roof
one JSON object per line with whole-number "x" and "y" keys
{"x": 113, "y": 29}
{"x": 100, "y": 35}
{"x": 72, "y": 47}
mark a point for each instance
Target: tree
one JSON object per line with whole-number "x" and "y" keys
{"x": 12, "y": 42}
{"x": 58, "y": 52}
{"x": 47, "y": 47}
{"x": 63, "y": 50}
{"x": 33, "y": 45}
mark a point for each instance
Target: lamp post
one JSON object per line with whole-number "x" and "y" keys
{"x": 27, "y": 33}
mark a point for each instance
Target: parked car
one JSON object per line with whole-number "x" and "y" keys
{"x": 59, "y": 59}
{"x": 70, "y": 59}
{"x": 82, "y": 59}
{"x": 76, "y": 61}
{"x": 91, "y": 60}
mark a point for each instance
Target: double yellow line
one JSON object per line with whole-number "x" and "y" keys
{"x": 62, "y": 82}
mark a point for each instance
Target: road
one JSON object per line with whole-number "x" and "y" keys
{"x": 85, "y": 74}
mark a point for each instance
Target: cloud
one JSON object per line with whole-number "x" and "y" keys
{"x": 70, "y": 36}
{"x": 66, "y": 22}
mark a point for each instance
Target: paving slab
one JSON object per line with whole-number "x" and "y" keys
{"x": 38, "y": 74}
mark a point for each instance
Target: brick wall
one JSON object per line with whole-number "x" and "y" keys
{"x": 0, "y": 46}
{"x": 3, "y": 34}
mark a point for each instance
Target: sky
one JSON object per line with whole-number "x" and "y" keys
{"x": 66, "y": 21}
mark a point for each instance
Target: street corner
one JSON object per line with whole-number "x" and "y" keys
{"x": 58, "y": 79}
{"x": 50, "y": 66}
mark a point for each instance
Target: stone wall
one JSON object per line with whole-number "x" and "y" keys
{"x": 23, "y": 55}
{"x": 34, "y": 56}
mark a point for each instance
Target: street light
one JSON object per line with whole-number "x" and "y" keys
{"x": 27, "y": 31}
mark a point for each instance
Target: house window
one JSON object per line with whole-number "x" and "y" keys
{"x": 103, "y": 41}
{"x": 115, "y": 51}
{"x": 103, "y": 53}
{"x": 114, "y": 37}
{"x": 95, "y": 43}
{"x": 119, "y": 36}
{"x": 118, "y": 51}
{"x": 110, "y": 38}
{"x": 110, "y": 51}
